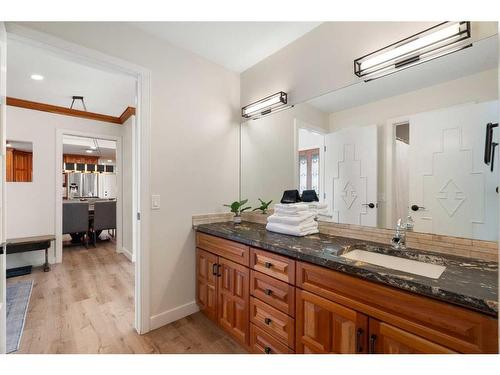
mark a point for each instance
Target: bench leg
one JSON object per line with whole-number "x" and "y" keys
{"x": 46, "y": 266}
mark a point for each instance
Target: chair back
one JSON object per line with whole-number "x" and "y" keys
{"x": 75, "y": 217}
{"x": 104, "y": 215}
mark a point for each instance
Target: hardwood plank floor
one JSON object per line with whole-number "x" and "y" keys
{"x": 86, "y": 305}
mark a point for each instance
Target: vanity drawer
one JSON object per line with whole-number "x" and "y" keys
{"x": 263, "y": 343}
{"x": 280, "y": 267}
{"x": 274, "y": 292}
{"x": 273, "y": 322}
{"x": 234, "y": 251}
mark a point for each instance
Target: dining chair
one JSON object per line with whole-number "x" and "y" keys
{"x": 76, "y": 219}
{"x": 104, "y": 217}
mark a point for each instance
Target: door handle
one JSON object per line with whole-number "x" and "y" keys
{"x": 373, "y": 339}
{"x": 489, "y": 144}
{"x": 359, "y": 346}
{"x": 416, "y": 207}
{"x": 371, "y": 205}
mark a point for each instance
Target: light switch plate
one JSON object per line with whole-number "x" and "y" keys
{"x": 155, "y": 202}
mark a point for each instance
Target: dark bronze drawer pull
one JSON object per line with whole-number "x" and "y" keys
{"x": 267, "y": 350}
{"x": 214, "y": 269}
{"x": 359, "y": 347}
{"x": 268, "y": 265}
{"x": 268, "y": 292}
{"x": 373, "y": 338}
{"x": 267, "y": 321}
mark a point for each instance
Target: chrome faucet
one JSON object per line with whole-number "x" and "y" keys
{"x": 398, "y": 242}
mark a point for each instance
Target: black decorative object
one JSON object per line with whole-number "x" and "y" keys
{"x": 80, "y": 167}
{"x": 69, "y": 166}
{"x": 109, "y": 168}
{"x": 290, "y": 196}
{"x": 309, "y": 196}
{"x": 430, "y": 44}
{"x": 100, "y": 168}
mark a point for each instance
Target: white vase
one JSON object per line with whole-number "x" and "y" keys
{"x": 237, "y": 219}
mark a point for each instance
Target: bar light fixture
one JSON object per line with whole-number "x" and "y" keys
{"x": 272, "y": 103}
{"x": 438, "y": 41}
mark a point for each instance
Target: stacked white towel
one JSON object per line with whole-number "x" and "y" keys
{"x": 320, "y": 209}
{"x": 293, "y": 219}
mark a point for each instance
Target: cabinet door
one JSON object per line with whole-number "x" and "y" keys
{"x": 206, "y": 283}
{"x": 324, "y": 326}
{"x": 387, "y": 339}
{"x": 233, "y": 299}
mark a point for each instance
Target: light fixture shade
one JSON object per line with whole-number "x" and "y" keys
{"x": 265, "y": 106}
{"x": 440, "y": 40}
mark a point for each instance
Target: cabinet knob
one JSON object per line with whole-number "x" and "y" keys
{"x": 371, "y": 205}
{"x": 268, "y": 265}
{"x": 267, "y": 350}
{"x": 373, "y": 338}
{"x": 359, "y": 346}
{"x": 416, "y": 207}
{"x": 267, "y": 321}
{"x": 268, "y": 292}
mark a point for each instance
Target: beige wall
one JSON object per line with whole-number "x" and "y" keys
{"x": 194, "y": 148}
{"x": 322, "y": 60}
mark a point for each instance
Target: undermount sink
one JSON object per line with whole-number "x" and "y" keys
{"x": 432, "y": 271}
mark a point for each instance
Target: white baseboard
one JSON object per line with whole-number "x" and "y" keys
{"x": 172, "y": 315}
{"x": 128, "y": 254}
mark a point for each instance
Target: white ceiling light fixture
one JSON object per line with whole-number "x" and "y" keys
{"x": 89, "y": 151}
{"x": 265, "y": 106}
{"x": 36, "y": 77}
{"x": 440, "y": 40}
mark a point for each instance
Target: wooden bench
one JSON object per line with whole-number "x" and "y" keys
{"x": 35, "y": 243}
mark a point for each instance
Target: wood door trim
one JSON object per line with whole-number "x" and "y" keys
{"x": 43, "y": 107}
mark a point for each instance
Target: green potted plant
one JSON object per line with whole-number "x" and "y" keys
{"x": 237, "y": 208}
{"x": 264, "y": 206}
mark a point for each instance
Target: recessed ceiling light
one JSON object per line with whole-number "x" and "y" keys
{"x": 110, "y": 161}
{"x": 89, "y": 151}
{"x": 37, "y": 77}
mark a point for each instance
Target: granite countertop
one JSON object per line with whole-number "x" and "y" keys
{"x": 466, "y": 282}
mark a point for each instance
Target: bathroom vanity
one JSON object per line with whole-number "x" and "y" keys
{"x": 275, "y": 293}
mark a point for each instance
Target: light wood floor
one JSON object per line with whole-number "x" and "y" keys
{"x": 86, "y": 305}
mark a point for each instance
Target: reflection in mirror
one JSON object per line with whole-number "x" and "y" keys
{"x": 19, "y": 167}
{"x": 407, "y": 146}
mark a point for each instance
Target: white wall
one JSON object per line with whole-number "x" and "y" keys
{"x": 127, "y": 187}
{"x": 31, "y": 205}
{"x": 322, "y": 60}
{"x": 269, "y": 152}
{"x": 194, "y": 148}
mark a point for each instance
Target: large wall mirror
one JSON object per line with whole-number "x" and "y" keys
{"x": 410, "y": 144}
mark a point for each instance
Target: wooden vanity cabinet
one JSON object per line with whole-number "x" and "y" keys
{"x": 324, "y": 326}
{"x": 273, "y": 304}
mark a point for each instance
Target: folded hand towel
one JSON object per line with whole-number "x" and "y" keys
{"x": 318, "y": 206}
{"x": 294, "y": 207}
{"x": 301, "y": 218}
{"x": 292, "y": 230}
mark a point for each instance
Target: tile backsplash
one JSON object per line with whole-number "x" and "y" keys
{"x": 477, "y": 249}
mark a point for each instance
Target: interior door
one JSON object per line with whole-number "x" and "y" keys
{"x": 387, "y": 339}
{"x": 454, "y": 190}
{"x": 233, "y": 299}
{"x": 351, "y": 175}
{"x": 206, "y": 283}
{"x": 3, "y": 95}
{"x": 324, "y": 326}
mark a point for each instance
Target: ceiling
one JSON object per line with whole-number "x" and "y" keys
{"x": 234, "y": 45}
{"x": 483, "y": 55}
{"x": 104, "y": 91}
{"x": 104, "y": 149}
